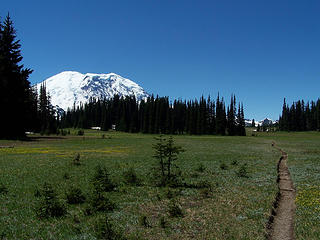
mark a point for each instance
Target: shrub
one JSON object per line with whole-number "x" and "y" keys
{"x": 204, "y": 184}
{"x": 66, "y": 176}
{"x": 206, "y": 192}
{"x": 80, "y": 132}
{"x": 3, "y": 189}
{"x": 98, "y": 202}
{"x": 61, "y": 132}
{"x": 223, "y": 166}
{"x": 144, "y": 221}
{"x": 194, "y": 175}
{"x": 105, "y": 229}
{"x": 131, "y": 177}
{"x": 3, "y": 234}
{"x": 201, "y": 168}
{"x": 163, "y": 222}
{"x": 166, "y": 153}
{"x": 175, "y": 209}
{"x": 74, "y": 195}
{"x": 76, "y": 160}
{"x": 172, "y": 193}
{"x": 243, "y": 172}
{"x": 37, "y": 193}
{"x": 49, "y": 204}
{"x": 101, "y": 180}
{"x": 206, "y": 188}
{"x": 234, "y": 163}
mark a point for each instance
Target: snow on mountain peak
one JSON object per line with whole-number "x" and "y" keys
{"x": 69, "y": 87}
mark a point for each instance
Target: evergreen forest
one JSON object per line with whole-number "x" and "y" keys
{"x": 157, "y": 115}
{"x": 300, "y": 116}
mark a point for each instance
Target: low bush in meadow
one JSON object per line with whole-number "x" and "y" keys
{"x": 130, "y": 177}
{"x": 101, "y": 180}
{"x": 105, "y": 229}
{"x": 74, "y": 195}
{"x": 3, "y": 189}
{"x": 175, "y": 209}
{"x": 49, "y": 204}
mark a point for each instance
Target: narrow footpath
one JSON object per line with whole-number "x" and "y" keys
{"x": 281, "y": 221}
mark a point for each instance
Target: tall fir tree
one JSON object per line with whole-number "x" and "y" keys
{"x": 220, "y": 116}
{"x": 15, "y": 94}
{"x": 231, "y": 117}
{"x": 242, "y": 124}
{"x": 253, "y": 123}
{"x": 48, "y": 122}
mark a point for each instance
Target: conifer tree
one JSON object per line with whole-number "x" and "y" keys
{"x": 231, "y": 117}
{"x": 14, "y": 85}
{"x": 241, "y": 126}
{"x": 220, "y": 117}
{"x": 48, "y": 121}
{"x": 253, "y": 124}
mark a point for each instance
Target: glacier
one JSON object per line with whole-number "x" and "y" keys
{"x": 70, "y": 88}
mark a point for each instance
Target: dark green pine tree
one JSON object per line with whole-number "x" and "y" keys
{"x": 242, "y": 125}
{"x": 48, "y": 122}
{"x": 104, "y": 117}
{"x": 211, "y": 116}
{"x": 141, "y": 110}
{"x": 284, "y": 120}
{"x": 317, "y": 113}
{"x": 152, "y": 115}
{"x": 14, "y": 85}
{"x": 253, "y": 123}
{"x": 220, "y": 117}
{"x": 32, "y": 111}
{"x": 203, "y": 116}
{"x": 231, "y": 117}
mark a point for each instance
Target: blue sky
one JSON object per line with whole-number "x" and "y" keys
{"x": 260, "y": 50}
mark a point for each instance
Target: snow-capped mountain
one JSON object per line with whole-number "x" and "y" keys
{"x": 264, "y": 122}
{"x": 69, "y": 88}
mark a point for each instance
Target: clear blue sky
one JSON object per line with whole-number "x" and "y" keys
{"x": 260, "y": 50}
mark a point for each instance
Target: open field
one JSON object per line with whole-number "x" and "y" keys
{"x": 232, "y": 207}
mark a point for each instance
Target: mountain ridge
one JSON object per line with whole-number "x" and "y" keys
{"x": 263, "y": 122}
{"x": 69, "y": 88}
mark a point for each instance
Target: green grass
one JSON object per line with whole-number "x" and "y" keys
{"x": 233, "y": 208}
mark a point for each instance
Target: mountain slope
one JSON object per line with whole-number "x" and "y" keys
{"x": 264, "y": 122}
{"x": 69, "y": 88}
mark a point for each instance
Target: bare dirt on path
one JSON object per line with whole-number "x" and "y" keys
{"x": 281, "y": 221}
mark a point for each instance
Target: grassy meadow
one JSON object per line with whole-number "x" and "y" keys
{"x": 216, "y": 203}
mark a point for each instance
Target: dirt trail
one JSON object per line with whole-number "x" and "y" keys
{"x": 281, "y": 221}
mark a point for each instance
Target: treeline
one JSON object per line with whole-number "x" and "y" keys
{"x": 156, "y": 115}
{"x": 300, "y": 116}
{"x": 21, "y": 106}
